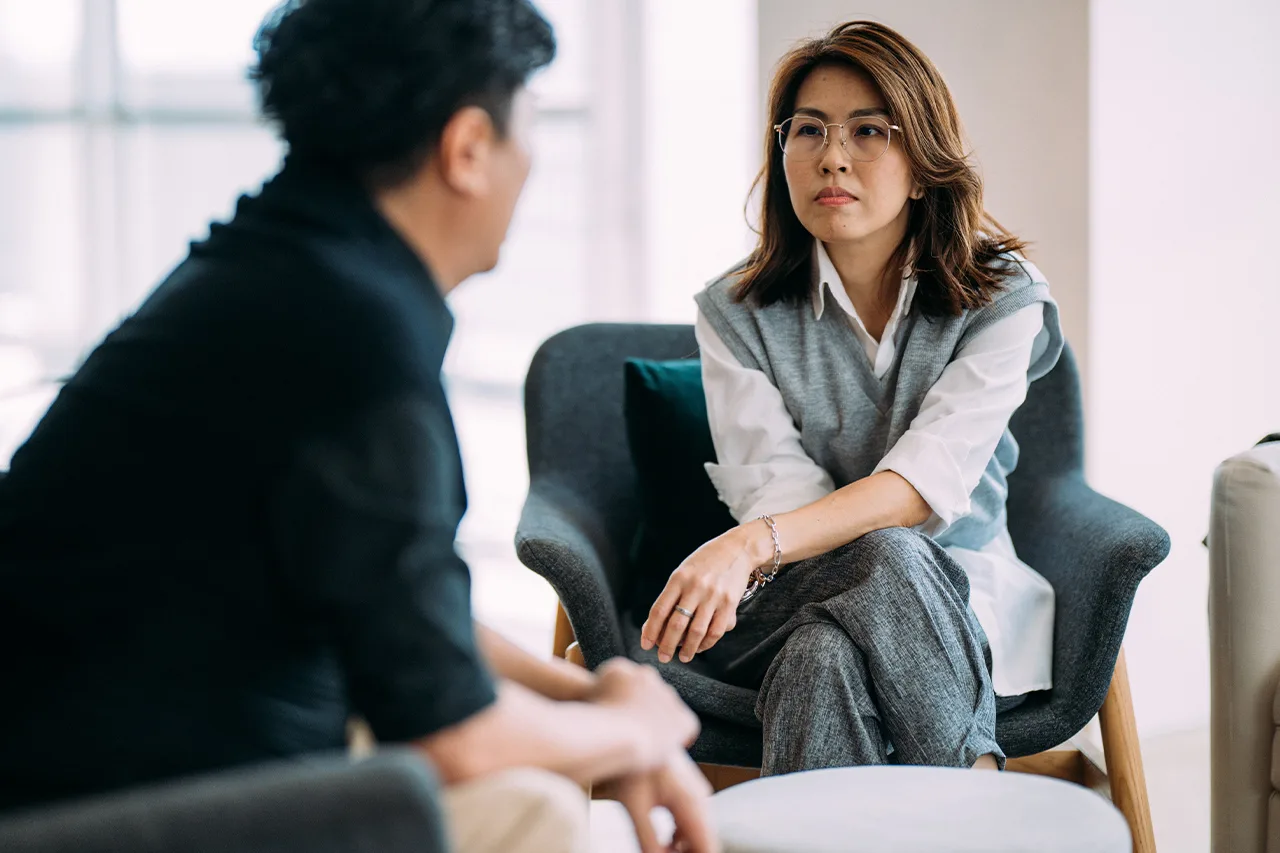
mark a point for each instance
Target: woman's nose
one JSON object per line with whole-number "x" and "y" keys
{"x": 834, "y": 157}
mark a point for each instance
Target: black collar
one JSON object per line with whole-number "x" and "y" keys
{"x": 333, "y": 214}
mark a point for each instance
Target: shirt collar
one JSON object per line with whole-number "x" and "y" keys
{"x": 826, "y": 277}
{"x": 334, "y": 217}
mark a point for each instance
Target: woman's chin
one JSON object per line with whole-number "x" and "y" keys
{"x": 838, "y": 229}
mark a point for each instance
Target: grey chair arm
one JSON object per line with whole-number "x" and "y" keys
{"x": 563, "y": 539}
{"x": 387, "y": 804}
{"x": 1067, "y": 532}
{"x": 1094, "y": 551}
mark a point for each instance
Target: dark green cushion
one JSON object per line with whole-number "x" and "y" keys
{"x": 670, "y": 440}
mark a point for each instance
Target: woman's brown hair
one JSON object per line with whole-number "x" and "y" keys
{"x": 952, "y": 243}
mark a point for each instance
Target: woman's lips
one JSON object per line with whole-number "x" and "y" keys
{"x": 834, "y": 197}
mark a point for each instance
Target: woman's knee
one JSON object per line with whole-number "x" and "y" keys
{"x": 814, "y": 656}
{"x": 818, "y": 673}
{"x": 894, "y": 555}
{"x": 893, "y": 546}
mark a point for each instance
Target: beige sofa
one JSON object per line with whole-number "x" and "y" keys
{"x": 1244, "y": 621}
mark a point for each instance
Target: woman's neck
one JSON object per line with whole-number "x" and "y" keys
{"x": 870, "y": 275}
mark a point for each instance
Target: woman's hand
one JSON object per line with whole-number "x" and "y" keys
{"x": 708, "y": 584}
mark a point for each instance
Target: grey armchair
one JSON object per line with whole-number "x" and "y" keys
{"x": 387, "y": 804}
{"x": 582, "y": 512}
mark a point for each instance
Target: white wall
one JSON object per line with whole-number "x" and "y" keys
{"x": 1019, "y": 75}
{"x": 1184, "y": 313}
{"x": 700, "y": 149}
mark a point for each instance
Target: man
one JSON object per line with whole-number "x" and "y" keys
{"x": 234, "y": 528}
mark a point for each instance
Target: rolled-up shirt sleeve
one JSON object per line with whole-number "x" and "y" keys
{"x": 365, "y": 520}
{"x": 950, "y": 442}
{"x": 760, "y": 465}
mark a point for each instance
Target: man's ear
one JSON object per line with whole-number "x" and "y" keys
{"x": 466, "y": 147}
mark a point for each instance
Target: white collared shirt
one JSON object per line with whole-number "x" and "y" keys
{"x": 762, "y": 467}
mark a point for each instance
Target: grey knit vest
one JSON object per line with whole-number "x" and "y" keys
{"x": 847, "y": 417}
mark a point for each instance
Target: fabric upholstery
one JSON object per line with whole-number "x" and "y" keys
{"x": 583, "y": 509}
{"x": 387, "y": 804}
{"x": 583, "y": 504}
{"x": 915, "y": 809}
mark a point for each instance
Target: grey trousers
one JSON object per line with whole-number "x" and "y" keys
{"x": 870, "y": 645}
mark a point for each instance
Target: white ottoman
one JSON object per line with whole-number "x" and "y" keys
{"x": 910, "y": 809}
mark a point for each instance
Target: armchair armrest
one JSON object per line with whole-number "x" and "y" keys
{"x": 386, "y": 804}
{"x": 565, "y": 540}
{"x": 1094, "y": 551}
{"x": 1065, "y": 526}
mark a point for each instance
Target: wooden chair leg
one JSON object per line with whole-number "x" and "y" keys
{"x": 723, "y": 776}
{"x": 1124, "y": 759}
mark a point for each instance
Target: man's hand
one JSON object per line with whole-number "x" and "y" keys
{"x": 679, "y": 786}
{"x": 649, "y": 704}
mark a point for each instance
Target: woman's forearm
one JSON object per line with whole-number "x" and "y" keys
{"x": 872, "y": 503}
{"x": 549, "y": 677}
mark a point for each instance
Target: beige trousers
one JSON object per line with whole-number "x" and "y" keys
{"x": 517, "y": 811}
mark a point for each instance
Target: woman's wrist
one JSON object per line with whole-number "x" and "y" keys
{"x": 756, "y": 539}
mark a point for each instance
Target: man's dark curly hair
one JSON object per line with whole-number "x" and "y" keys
{"x": 367, "y": 86}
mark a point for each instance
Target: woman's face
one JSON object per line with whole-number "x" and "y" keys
{"x": 877, "y": 191}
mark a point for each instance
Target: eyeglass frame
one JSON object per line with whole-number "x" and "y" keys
{"x": 826, "y": 135}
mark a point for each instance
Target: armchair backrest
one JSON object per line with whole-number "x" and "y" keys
{"x": 574, "y": 425}
{"x": 1049, "y": 427}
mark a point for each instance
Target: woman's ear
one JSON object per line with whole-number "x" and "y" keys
{"x": 917, "y": 192}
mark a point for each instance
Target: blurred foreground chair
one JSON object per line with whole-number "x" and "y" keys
{"x": 389, "y": 803}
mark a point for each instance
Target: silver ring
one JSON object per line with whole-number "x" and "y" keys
{"x": 688, "y": 613}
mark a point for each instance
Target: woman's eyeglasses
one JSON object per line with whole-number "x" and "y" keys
{"x": 805, "y": 137}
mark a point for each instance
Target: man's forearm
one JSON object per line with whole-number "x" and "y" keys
{"x": 552, "y": 678}
{"x": 586, "y": 742}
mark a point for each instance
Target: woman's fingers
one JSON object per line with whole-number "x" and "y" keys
{"x": 697, "y": 630}
{"x": 651, "y": 631}
{"x": 677, "y": 625}
{"x": 725, "y": 620}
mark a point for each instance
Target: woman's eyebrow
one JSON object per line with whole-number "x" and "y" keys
{"x": 865, "y": 111}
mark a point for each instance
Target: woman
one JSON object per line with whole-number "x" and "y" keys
{"x": 860, "y": 370}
